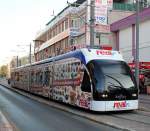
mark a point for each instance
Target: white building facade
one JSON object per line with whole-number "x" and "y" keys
{"x": 125, "y": 32}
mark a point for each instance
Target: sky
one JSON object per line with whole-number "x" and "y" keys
{"x": 20, "y": 20}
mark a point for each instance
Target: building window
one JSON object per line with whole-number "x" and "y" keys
{"x": 74, "y": 23}
{"x": 59, "y": 28}
{"x": 53, "y": 50}
{"x": 49, "y": 34}
{"x": 81, "y": 22}
{"x": 55, "y": 28}
{"x": 56, "y": 32}
{"x": 46, "y": 77}
{"x": 62, "y": 24}
{"x": 66, "y": 44}
{"x": 66, "y": 23}
{"x": 62, "y": 46}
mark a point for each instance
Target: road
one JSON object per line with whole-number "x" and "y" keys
{"x": 30, "y": 115}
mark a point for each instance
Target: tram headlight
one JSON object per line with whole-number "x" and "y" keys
{"x": 134, "y": 94}
{"x": 104, "y": 95}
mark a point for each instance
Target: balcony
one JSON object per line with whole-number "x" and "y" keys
{"x": 124, "y": 6}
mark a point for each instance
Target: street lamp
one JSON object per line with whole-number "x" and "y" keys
{"x": 92, "y": 22}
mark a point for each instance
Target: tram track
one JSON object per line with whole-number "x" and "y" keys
{"x": 128, "y": 119}
{"x": 145, "y": 102}
{"x": 144, "y": 99}
{"x": 142, "y": 113}
{"x": 139, "y": 113}
{"x": 147, "y": 99}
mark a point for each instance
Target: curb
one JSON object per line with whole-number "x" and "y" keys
{"x": 65, "y": 109}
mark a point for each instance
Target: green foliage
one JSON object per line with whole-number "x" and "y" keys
{"x": 3, "y": 71}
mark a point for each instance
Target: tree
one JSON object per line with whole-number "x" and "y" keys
{"x": 3, "y": 71}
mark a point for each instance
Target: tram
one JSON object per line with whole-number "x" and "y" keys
{"x": 94, "y": 79}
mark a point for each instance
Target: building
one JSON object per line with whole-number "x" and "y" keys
{"x": 125, "y": 33}
{"x": 71, "y": 27}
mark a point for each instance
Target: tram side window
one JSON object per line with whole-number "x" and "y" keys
{"x": 46, "y": 77}
{"x": 50, "y": 75}
{"x": 32, "y": 77}
{"x": 17, "y": 76}
{"x": 86, "y": 85}
{"x": 41, "y": 78}
{"x": 36, "y": 78}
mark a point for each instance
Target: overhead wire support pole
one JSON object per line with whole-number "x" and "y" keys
{"x": 29, "y": 83}
{"x": 92, "y": 22}
{"x": 137, "y": 44}
{"x": 30, "y": 54}
{"x": 17, "y": 63}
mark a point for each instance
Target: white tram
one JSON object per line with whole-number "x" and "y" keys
{"x": 94, "y": 79}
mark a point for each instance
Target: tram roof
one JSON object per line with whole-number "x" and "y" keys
{"x": 85, "y": 55}
{"x": 76, "y": 54}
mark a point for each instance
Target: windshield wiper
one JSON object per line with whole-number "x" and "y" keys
{"x": 113, "y": 85}
{"x": 121, "y": 86}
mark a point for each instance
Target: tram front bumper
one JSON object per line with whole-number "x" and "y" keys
{"x": 114, "y": 105}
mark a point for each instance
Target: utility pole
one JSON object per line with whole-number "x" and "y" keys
{"x": 30, "y": 59}
{"x": 137, "y": 44}
{"x": 17, "y": 61}
{"x": 29, "y": 83}
{"x": 92, "y": 23}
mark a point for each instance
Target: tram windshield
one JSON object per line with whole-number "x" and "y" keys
{"x": 110, "y": 75}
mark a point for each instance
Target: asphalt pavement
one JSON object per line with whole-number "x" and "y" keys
{"x": 30, "y": 115}
{"x": 138, "y": 120}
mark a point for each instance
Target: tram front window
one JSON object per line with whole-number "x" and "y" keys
{"x": 111, "y": 76}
